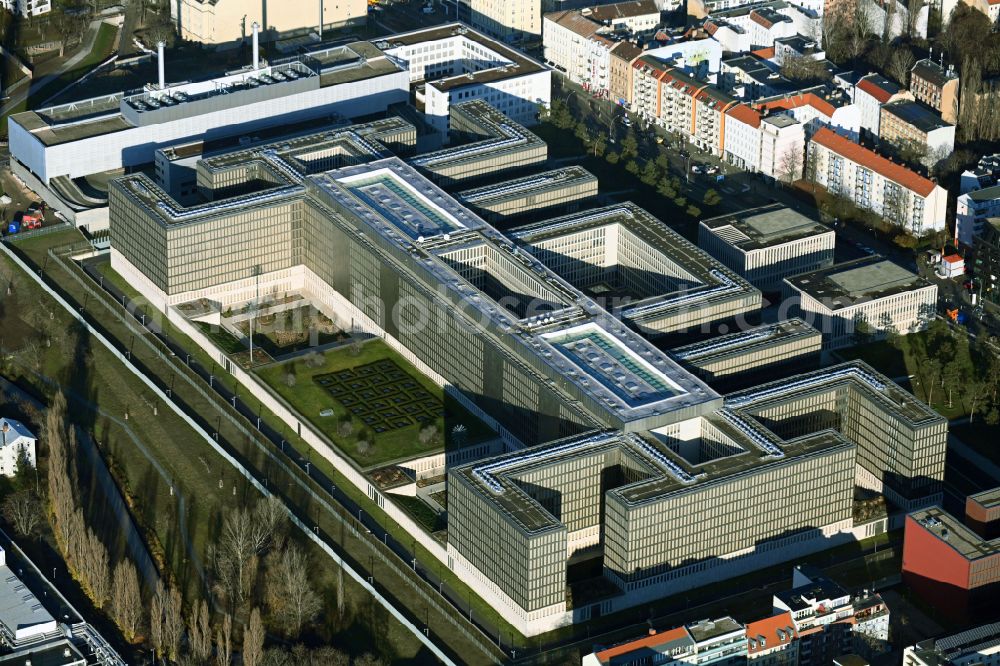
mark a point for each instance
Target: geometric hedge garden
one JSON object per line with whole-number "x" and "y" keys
{"x": 382, "y": 396}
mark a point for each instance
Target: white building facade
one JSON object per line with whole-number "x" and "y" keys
{"x": 15, "y": 441}
{"x": 27, "y": 8}
{"x": 874, "y": 183}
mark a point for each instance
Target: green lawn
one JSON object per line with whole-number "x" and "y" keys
{"x": 309, "y": 398}
{"x": 104, "y": 43}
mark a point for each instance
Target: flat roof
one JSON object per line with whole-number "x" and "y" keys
{"x": 50, "y": 654}
{"x": 916, "y": 115}
{"x": 512, "y": 63}
{"x": 547, "y": 181}
{"x": 709, "y": 281}
{"x": 19, "y": 607}
{"x": 761, "y": 228}
{"x": 847, "y": 284}
{"x": 955, "y": 534}
{"x": 987, "y": 498}
{"x": 746, "y": 342}
{"x": 108, "y": 114}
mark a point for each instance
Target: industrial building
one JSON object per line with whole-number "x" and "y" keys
{"x": 770, "y": 346}
{"x": 564, "y": 188}
{"x": 764, "y": 246}
{"x": 66, "y": 153}
{"x": 875, "y": 292}
{"x": 643, "y": 271}
{"x": 603, "y": 432}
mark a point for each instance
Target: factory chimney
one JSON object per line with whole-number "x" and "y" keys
{"x": 256, "y": 45}
{"x": 159, "y": 59}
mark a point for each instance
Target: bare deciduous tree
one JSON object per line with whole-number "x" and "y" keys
{"x": 224, "y": 642}
{"x": 21, "y": 509}
{"x": 126, "y": 599}
{"x": 156, "y": 638}
{"x": 253, "y": 640}
{"x": 900, "y": 64}
{"x": 290, "y": 596}
{"x": 245, "y": 536}
{"x": 200, "y": 633}
{"x": 173, "y": 623}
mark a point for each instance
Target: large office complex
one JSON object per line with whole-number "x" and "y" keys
{"x": 869, "y": 297}
{"x": 603, "y": 433}
{"x": 645, "y": 272}
{"x": 767, "y": 245}
{"x": 565, "y": 187}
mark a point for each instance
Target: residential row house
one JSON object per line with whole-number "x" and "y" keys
{"x": 772, "y": 145}
{"x": 871, "y": 92}
{"x": 812, "y": 624}
{"x": 817, "y": 107}
{"x": 681, "y": 104}
{"x": 873, "y": 182}
{"x": 745, "y": 29}
{"x": 937, "y": 87}
{"x": 908, "y": 123}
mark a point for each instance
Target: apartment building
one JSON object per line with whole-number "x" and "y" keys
{"x": 907, "y": 123}
{"x": 872, "y": 290}
{"x": 972, "y": 212}
{"x": 221, "y": 21}
{"x": 875, "y": 183}
{"x": 574, "y": 45}
{"x": 761, "y": 23}
{"x": 816, "y": 108}
{"x": 871, "y": 92}
{"x": 937, "y": 87}
{"x": 782, "y": 148}
{"x": 766, "y": 245}
{"x": 623, "y": 54}
{"x": 711, "y": 642}
{"x": 693, "y": 110}
{"x": 509, "y": 21}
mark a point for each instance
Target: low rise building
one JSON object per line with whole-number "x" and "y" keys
{"x": 882, "y": 295}
{"x": 754, "y": 350}
{"x": 452, "y": 63}
{"x": 712, "y": 642}
{"x": 562, "y": 188}
{"x": 16, "y": 443}
{"x": 979, "y": 645}
{"x": 875, "y": 183}
{"x": 953, "y": 568}
{"x": 937, "y": 87}
{"x": 765, "y": 246}
{"x": 772, "y": 641}
{"x": 870, "y": 93}
{"x": 951, "y": 266}
{"x": 816, "y": 108}
{"x": 972, "y": 210}
{"x": 910, "y": 125}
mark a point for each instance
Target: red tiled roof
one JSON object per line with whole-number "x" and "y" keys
{"x": 757, "y": 18}
{"x": 711, "y": 27}
{"x": 881, "y": 94}
{"x": 807, "y": 99}
{"x": 952, "y": 259}
{"x": 872, "y": 160}
{"x": 768, "y": 628}
{"x": 764, "y": 54}
{"x": 745, "y": 114}
{"x": 645, "y": 642}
